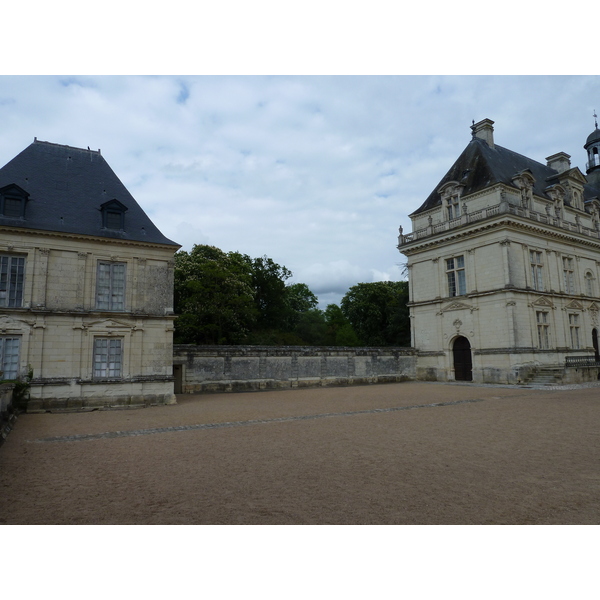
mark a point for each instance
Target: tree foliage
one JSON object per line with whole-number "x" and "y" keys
{"x": 214, "y": 297}
{"x": 231, "y": 298}
{"x": 378, "y": 312}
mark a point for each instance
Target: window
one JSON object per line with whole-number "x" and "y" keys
{"x": 574, "y": 325}
{"x": 537, "y": 280}
{"x": 12, "y": 274}
{"x": 9, "y": 356}
{"x": 453, "y": 205}
{"x": 110, "y": 286}
{"x": 568, "y": 275}
{"x": 455, "y": 270}
{"x": 542, "y": 328}
{"x": 114, "y": 220}
{"x": 113, "y": 215}
{"x": 589, "y": 284}
{"x": 12, "y": 201}
{"x": 108, "y": 357}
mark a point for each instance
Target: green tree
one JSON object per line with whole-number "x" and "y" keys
{"x": 339, "y": 329}
{"x": 300, "y": 298}
{"x": 311, "y": 328}
{"x": 213, "y": 297}
{"x": 379, "y": 312}
{"x": 270, "y": 297}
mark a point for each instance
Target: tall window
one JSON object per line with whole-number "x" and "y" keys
{"x": 110, "y": 286}
{"x": 537, "y": 280}
{"x": 568, "y": 275}
{"x": 9, "y": 356}
{"x": 574, "y": 325}
{"x": 542, "y": 328}
{"x": 108, "y": 357}
{"x": 455, "y": 270}
{"x": 589, "y": 284}
{"x": 12, "y": 274}
{"x": 453, "y": 205}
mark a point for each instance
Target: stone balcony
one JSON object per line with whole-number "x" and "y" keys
{"x": 503, "y": 208}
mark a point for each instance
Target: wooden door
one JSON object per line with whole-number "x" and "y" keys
{"x": 463, "y": 365}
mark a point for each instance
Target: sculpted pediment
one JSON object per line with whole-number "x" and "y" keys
{"x": 105, "y": 324}
{"x": 9, "y": 323}
{"x": 457, "y": 305}
{"x": 593, "y": 307}
{"x": 543, "y": 302}
{"x": 574, "y": 305}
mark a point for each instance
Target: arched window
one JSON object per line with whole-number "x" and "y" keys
{"x": 590, "y": 288}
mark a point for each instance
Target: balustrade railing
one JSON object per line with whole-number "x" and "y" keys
{"x": 582, "y": 361}
{"x": 491, "y": 211}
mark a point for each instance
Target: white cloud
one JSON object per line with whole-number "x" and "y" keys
{"x": 315, "y": 172}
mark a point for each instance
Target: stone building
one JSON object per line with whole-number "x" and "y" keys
{"x": 86, "y": 284}
{"x": 504, "y": 263}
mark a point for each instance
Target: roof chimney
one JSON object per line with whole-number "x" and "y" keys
{"x": 484, "y": 131}
{"x": 559, "y": 162}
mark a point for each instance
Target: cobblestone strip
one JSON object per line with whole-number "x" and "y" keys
{"x": 118, "y": 434}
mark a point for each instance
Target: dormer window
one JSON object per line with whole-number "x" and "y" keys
{"x": 12, "y": 202}
{"x": 524, "y": 181}
{"x": 113, "y": 215}
{"x": 453, "y": 207}
{"x": 450, "y": 193}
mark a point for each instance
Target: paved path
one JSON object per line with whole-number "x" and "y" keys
{"x": 409, "y": 453}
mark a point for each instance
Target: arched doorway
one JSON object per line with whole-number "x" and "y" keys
{"x": 595, "y": 342}
{"x": 463, "y": 365}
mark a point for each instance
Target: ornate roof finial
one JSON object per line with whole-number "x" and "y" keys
{"x": 595, "y": 118}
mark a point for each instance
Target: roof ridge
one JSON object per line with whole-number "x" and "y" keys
{"x": 36, "y": 141}
{"x": 522, "y": 156}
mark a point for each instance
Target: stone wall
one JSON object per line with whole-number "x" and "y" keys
{"x": 200, "y": 369}
{"x": 59, "y": 320}
{"x": 7, "y": 412}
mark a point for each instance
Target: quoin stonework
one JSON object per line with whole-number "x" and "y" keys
{"x": 86, "y": 284}
{"x": 504, "y": 263}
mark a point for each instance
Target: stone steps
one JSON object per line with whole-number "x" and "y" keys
{"x": 547, "y": 376}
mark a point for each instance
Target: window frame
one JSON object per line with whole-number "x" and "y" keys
{"x": 453, "y": 207}
{"x": 12, "y": 285}
{"x": 13, "y": 374}
{"x": 590, "y": 286}
{"x": 537, "y": 270}
{"x": 110, "y": 210}
{"x": 568, "y": 275}
{"x": 13, "y": 192}
{"x": 456, "y": 276}
{"x": 108, "y": 286}
{"x": 574, "y": 325}
{"x": 107, "y": 348}
{"x": 543, "y": 329}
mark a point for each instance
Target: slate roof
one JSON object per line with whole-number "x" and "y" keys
{"x": 480, "y": 166}
{"x": 67, "y": 187}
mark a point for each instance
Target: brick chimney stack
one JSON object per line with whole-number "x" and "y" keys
{"x": 485, "y": 131}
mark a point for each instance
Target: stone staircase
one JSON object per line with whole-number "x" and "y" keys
{"x": 547, "y": 376}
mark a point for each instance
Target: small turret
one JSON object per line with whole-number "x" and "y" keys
{"x": 592, "y": 145}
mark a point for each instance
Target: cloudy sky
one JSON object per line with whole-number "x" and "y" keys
{"x": 316, "y": 172}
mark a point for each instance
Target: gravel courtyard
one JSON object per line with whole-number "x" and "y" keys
{"x": 409, "y": 453}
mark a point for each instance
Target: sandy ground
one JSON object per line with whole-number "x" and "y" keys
{"x": 487, "y": 455}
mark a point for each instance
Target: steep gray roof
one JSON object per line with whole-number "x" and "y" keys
{"x": 67, "y": 187}
{"x": 480, "y": 166}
